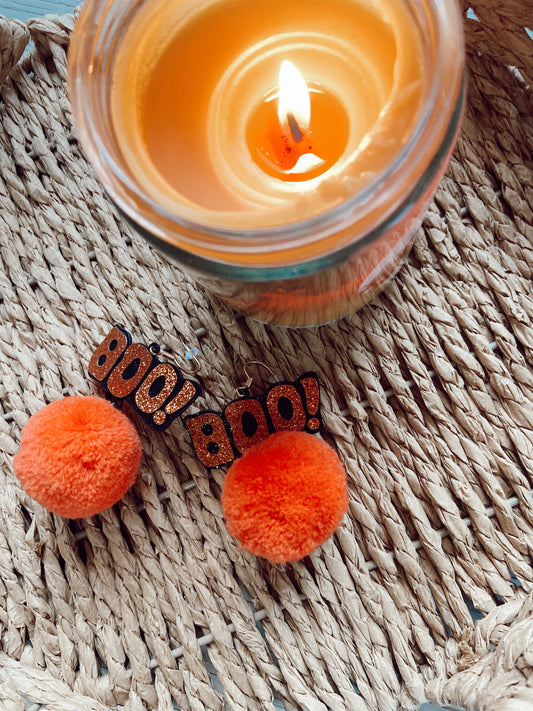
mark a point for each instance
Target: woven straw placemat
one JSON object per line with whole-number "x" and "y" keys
{"x": 428, "y": 399}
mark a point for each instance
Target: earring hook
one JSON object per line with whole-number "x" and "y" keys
{"x": 244, "y": 390}
{"x": 191, "y": 354}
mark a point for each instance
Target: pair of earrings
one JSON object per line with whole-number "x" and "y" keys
{"x": 283, "y": 495}
{"x": 159, "y": 392}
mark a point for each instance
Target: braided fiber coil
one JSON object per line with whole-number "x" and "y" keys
{"x": 427, "y": 397}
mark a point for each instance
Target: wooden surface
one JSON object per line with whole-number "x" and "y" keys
{"x": 22, "y": 9}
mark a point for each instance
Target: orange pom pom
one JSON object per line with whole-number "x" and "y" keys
{"x": 284, "y": 497}
{"x": 78, "y": 456}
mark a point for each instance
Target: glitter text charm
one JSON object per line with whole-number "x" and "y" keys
{"x": 130, "y": 371}
{"x": 220, "y": 437}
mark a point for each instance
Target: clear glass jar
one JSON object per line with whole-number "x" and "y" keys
{"x": 318, "y": 252}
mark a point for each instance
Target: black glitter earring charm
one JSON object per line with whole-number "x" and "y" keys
{"x": 132, "y": 372}
{"x": 220, "y": 437}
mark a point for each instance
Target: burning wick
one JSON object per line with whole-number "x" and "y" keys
{"x": 294, "y": 116}
{"x": 295, "y": 129}
{"x": 297, "y": 132}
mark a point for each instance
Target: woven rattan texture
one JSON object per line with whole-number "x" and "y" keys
{"x": 428, "y": 399}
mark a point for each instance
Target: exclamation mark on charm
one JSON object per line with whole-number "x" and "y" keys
{"x": 188, "y": 392}
{"x": 311, "y": 388}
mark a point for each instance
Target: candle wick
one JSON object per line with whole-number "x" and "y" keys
{"x": 294, "y": 128}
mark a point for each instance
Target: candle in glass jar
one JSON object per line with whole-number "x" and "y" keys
{"x": 197, "y": 97}
{"x": 283, "y": 152}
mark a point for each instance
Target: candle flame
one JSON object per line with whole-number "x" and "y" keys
{"x": 294, "y": 104}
